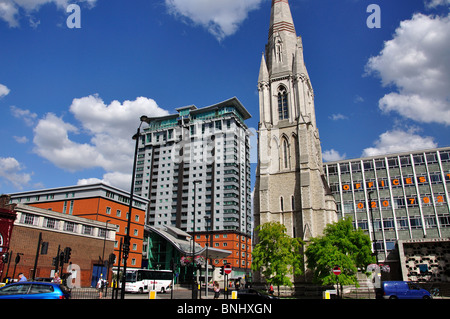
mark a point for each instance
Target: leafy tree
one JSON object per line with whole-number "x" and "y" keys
{"x": 277, "y": 255}
{"x": 341, "y": 246}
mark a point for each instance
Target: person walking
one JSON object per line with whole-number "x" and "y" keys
{"x": 100, "y": 286}
{"x": 216, "y": 290}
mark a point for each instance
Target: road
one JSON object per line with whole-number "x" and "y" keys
{"x": 178, "y": 293}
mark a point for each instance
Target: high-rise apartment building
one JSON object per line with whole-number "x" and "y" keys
{"x": 197, "y": 163}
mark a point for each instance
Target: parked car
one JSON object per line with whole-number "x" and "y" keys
{"x": 253, "y": 294}
{"x": 34, "y": 290}
{"x": 402, "y": 290}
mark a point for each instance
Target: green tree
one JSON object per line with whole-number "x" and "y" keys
{"x": 342, "y": 246}
{"x": 277, "y": 255}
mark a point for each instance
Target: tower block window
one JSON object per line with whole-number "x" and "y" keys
{"x": 283, "y": 110}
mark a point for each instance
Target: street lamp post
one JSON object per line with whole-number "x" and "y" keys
{"x": 104, "y": 241}
{"x": 207, "y": 219}
{"x": 377, "y": 268}
{"x": 373, "y": 227}
{"x": 194, "y": 288}
{"x": 127, "y": 239}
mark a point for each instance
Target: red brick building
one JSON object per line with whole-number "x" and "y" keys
{"x": 99, "y": 202}
{"x": 240, "y": 246}
{"x": 89, "y": 240}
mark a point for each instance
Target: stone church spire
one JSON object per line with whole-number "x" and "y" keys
{"x": 282, "y": 38}
{"x": 289, "y": 187}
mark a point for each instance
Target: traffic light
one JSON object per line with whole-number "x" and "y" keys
{"x": 5, "y": 258}
{"x": 44, "y": 248}
{"x": 61, "y": 259}
{"x": 112, "y": 259}
{"x": 222, "y": 270}
{"x": 67, "y": 252}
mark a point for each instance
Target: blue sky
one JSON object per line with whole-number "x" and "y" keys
{"x": 71, "y": 98}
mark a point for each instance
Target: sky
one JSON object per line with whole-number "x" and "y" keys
{"x": 76, "y": 75}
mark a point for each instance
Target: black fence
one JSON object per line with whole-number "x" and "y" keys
{"x": 93, "y": 293}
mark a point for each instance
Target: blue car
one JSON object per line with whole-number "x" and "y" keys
{"x": 34, "y": 290}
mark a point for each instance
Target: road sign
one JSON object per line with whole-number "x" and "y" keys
{"x": 337, "y": 271}
{"x": 227, "y": 269}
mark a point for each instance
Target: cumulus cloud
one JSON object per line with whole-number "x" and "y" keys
{"x": 108, "y": 129}
{"x": 11, "y": 10}
{"x": 416, "y": 63}
{"x": 4, "y": 91}
{"x": 11, "y": 171}
{"x": 332, "y": 155}
{"x": 399, "y": 140}
{"x": 117, "y": 179}
{"x": 221, "y": 18}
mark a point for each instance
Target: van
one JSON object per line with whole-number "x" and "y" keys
{"x": 402, "y": 290}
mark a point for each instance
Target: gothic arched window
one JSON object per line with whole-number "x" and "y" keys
{"x": 285, "y": 154}
{"x": 283, "y": 109}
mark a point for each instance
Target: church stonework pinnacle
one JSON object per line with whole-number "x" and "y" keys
{"x": 290, "y": 184}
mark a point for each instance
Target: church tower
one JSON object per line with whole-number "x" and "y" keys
{"x": 290, "y": 184}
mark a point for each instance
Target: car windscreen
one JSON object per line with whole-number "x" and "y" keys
{"x": 19, "y": 289}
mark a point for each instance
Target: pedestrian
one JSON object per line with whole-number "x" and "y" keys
{"x": 56, "y": 278}
{"x": 216, "y": 290}
{"x": 271, "y": 290}
{"x": 100, "y": 286}
{"x": 22, "y": 277}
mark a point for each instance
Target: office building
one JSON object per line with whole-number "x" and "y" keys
{"x": 402, "y": 201}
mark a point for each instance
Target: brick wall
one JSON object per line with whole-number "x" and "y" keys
{"x": 85, "y": 252}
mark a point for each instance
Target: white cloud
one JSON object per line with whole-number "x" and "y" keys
{"x": 398, "y": 140}
{"x": 108, "y": 129}
{"x": 416, "y": 62}
{"x": 221, "y": 18}
{"x": 117, "y": 179}
{"x": 358, "y": 99}
{"x": 4, "y": 91}
{"x": 337, "y": 117}
{"x": 332, "y": 155}
{"x": 26, "y": 115}
{"x": 10, "y": 170}
{"x": 10, "y": 10}
{"x": 435, "y": 3}
{"x": 53, "y": 143}
{"x": 21, "y": 139}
